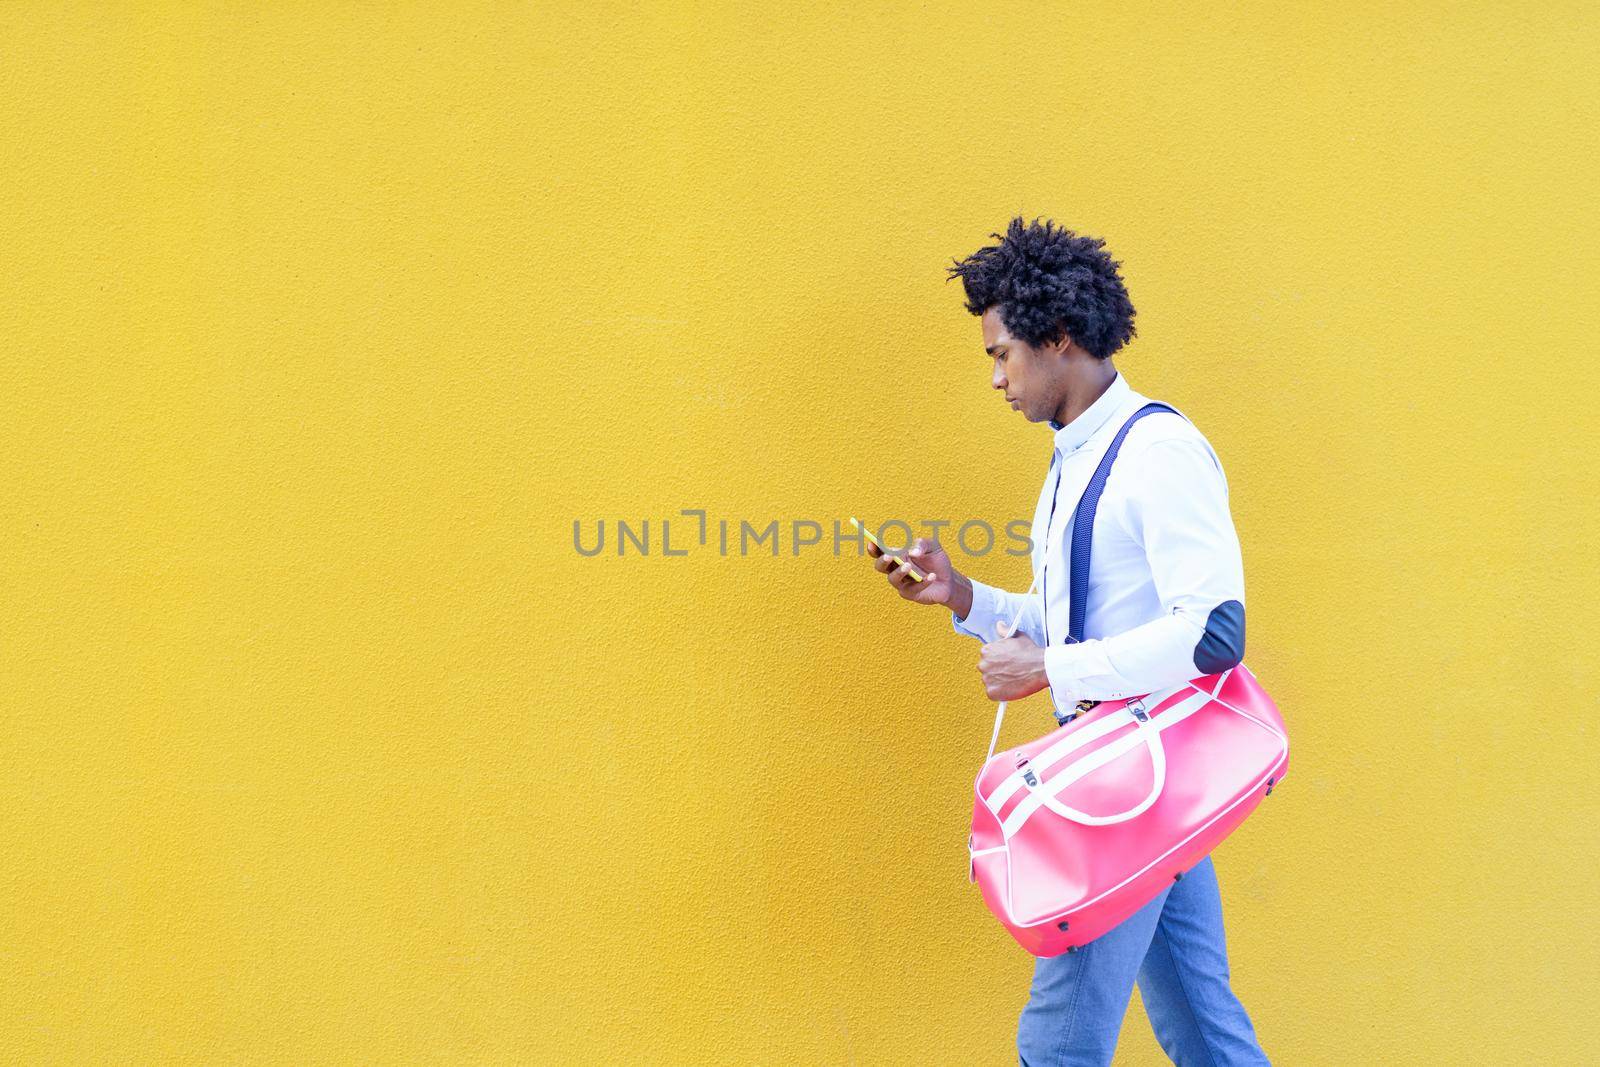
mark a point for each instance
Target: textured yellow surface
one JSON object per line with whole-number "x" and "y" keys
{"x": 323, "y": 323}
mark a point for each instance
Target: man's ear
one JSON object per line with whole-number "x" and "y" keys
{"x": 1060, "y": 344}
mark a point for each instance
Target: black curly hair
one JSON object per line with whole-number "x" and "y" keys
{"x": 1047, "y": 280}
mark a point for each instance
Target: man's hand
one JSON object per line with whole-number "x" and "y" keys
{"x": 925, "y": 555}
{"x": 1012, "y": 667}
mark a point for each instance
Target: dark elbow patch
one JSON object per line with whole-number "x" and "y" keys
{"x": 1222, "y": 645}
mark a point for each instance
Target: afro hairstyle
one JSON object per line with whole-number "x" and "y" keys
{"x": 1046, "y": 280}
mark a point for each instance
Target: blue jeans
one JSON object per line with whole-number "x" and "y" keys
{"x": 1174, "y": 946}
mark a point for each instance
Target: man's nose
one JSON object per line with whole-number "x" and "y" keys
{"x": 999, "y": 378}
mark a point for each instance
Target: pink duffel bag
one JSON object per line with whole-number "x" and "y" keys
{"x": 1076, "y": 831}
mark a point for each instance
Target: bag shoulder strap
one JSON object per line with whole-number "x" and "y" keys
{"x": 1083, "y": 521}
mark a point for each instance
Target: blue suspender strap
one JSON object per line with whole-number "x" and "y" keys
{"x": 1083, "y": 521}
{"x": 1083, "y": 530}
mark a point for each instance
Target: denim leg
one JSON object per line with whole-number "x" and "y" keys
{"x": 1184, "y": 980}
{"x": 1077, "y": 1001}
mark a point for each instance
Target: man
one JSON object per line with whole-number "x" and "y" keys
{"x": 1165, "y": 604}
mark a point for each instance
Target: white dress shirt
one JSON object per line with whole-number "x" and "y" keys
{"x": 1166, "y": 581}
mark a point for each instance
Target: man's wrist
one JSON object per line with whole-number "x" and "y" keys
{"x": 1040, "y": 675}
{"x": 960, "y": 598}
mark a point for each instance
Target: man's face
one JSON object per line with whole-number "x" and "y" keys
{"x": 1027, "y": 376}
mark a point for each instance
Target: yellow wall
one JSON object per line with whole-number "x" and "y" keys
{"x": 322, "y": 323}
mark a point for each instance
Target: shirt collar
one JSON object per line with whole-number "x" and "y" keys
{"x": 1080, "y": 429}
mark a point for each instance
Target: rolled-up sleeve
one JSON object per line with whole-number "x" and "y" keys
{"x": 1179, "y": 513}
{"x": 991, "y": 605}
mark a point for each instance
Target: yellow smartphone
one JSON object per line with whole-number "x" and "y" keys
{"x": 906, "y": 565}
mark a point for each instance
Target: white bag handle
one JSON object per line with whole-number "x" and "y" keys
{"x": 1158, "y": 760}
